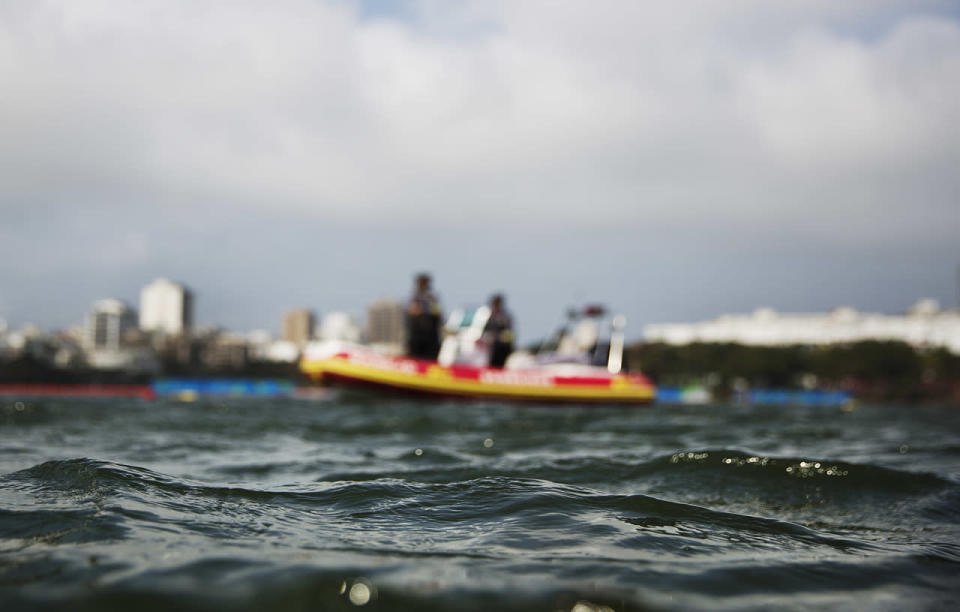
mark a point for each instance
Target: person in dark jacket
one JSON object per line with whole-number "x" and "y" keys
{"x": 423, "y": 321}
{"x": 498, "y": 332}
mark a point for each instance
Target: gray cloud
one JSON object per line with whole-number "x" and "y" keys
{"x": 740, "y": 132}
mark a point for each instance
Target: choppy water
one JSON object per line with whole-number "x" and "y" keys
{"x": 398, "y": 504}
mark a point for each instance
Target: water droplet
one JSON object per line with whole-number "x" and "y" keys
{"x": 359, "y": 594}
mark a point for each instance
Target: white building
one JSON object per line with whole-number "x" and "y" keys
{"x": 283, "y": 351}
{"x": 166, "y": 307}
{"x": 108, "y": 324}
{"x": 258, "y": 344}
{"x": 112, "y": 341}
{"x": 924, "y": 325}
{"x": 339, "y": 326}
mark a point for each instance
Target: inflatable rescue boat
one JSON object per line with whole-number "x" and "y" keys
{"x": 353, "y": 364}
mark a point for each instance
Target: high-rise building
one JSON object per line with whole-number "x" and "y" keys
{"x": 109, "y": 324}
{"x": 298, "y": 326}
{"x": 166, "y": 307}
{"x": 385, "y": 322}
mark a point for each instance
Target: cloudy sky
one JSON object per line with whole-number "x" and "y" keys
{"x": 675, "y": 163}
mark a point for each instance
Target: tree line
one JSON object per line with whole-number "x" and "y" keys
{"x": 876, "y": 369}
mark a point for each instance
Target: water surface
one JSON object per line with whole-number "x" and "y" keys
{"x": 392, "y": 504}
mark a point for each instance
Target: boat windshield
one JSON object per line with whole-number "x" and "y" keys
{"x": 586, "y": 338}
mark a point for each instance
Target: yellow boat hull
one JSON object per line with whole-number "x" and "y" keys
{"x": 361, "y": 366}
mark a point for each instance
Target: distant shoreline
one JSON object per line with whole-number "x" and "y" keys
{"x": 871, "y": 370}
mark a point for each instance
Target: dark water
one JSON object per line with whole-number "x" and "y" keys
{"x": 398, "y": 504}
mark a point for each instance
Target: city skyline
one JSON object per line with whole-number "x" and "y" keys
{"x": 305, "y": 322}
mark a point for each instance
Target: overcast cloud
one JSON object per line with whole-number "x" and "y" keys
{"x": 676, "y": 162}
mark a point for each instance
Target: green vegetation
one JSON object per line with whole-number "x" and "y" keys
{"x": 882, "y": 370}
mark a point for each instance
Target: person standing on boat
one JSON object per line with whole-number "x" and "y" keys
{"x": 423, "y": 321}
{"x": 498, "y": 332}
